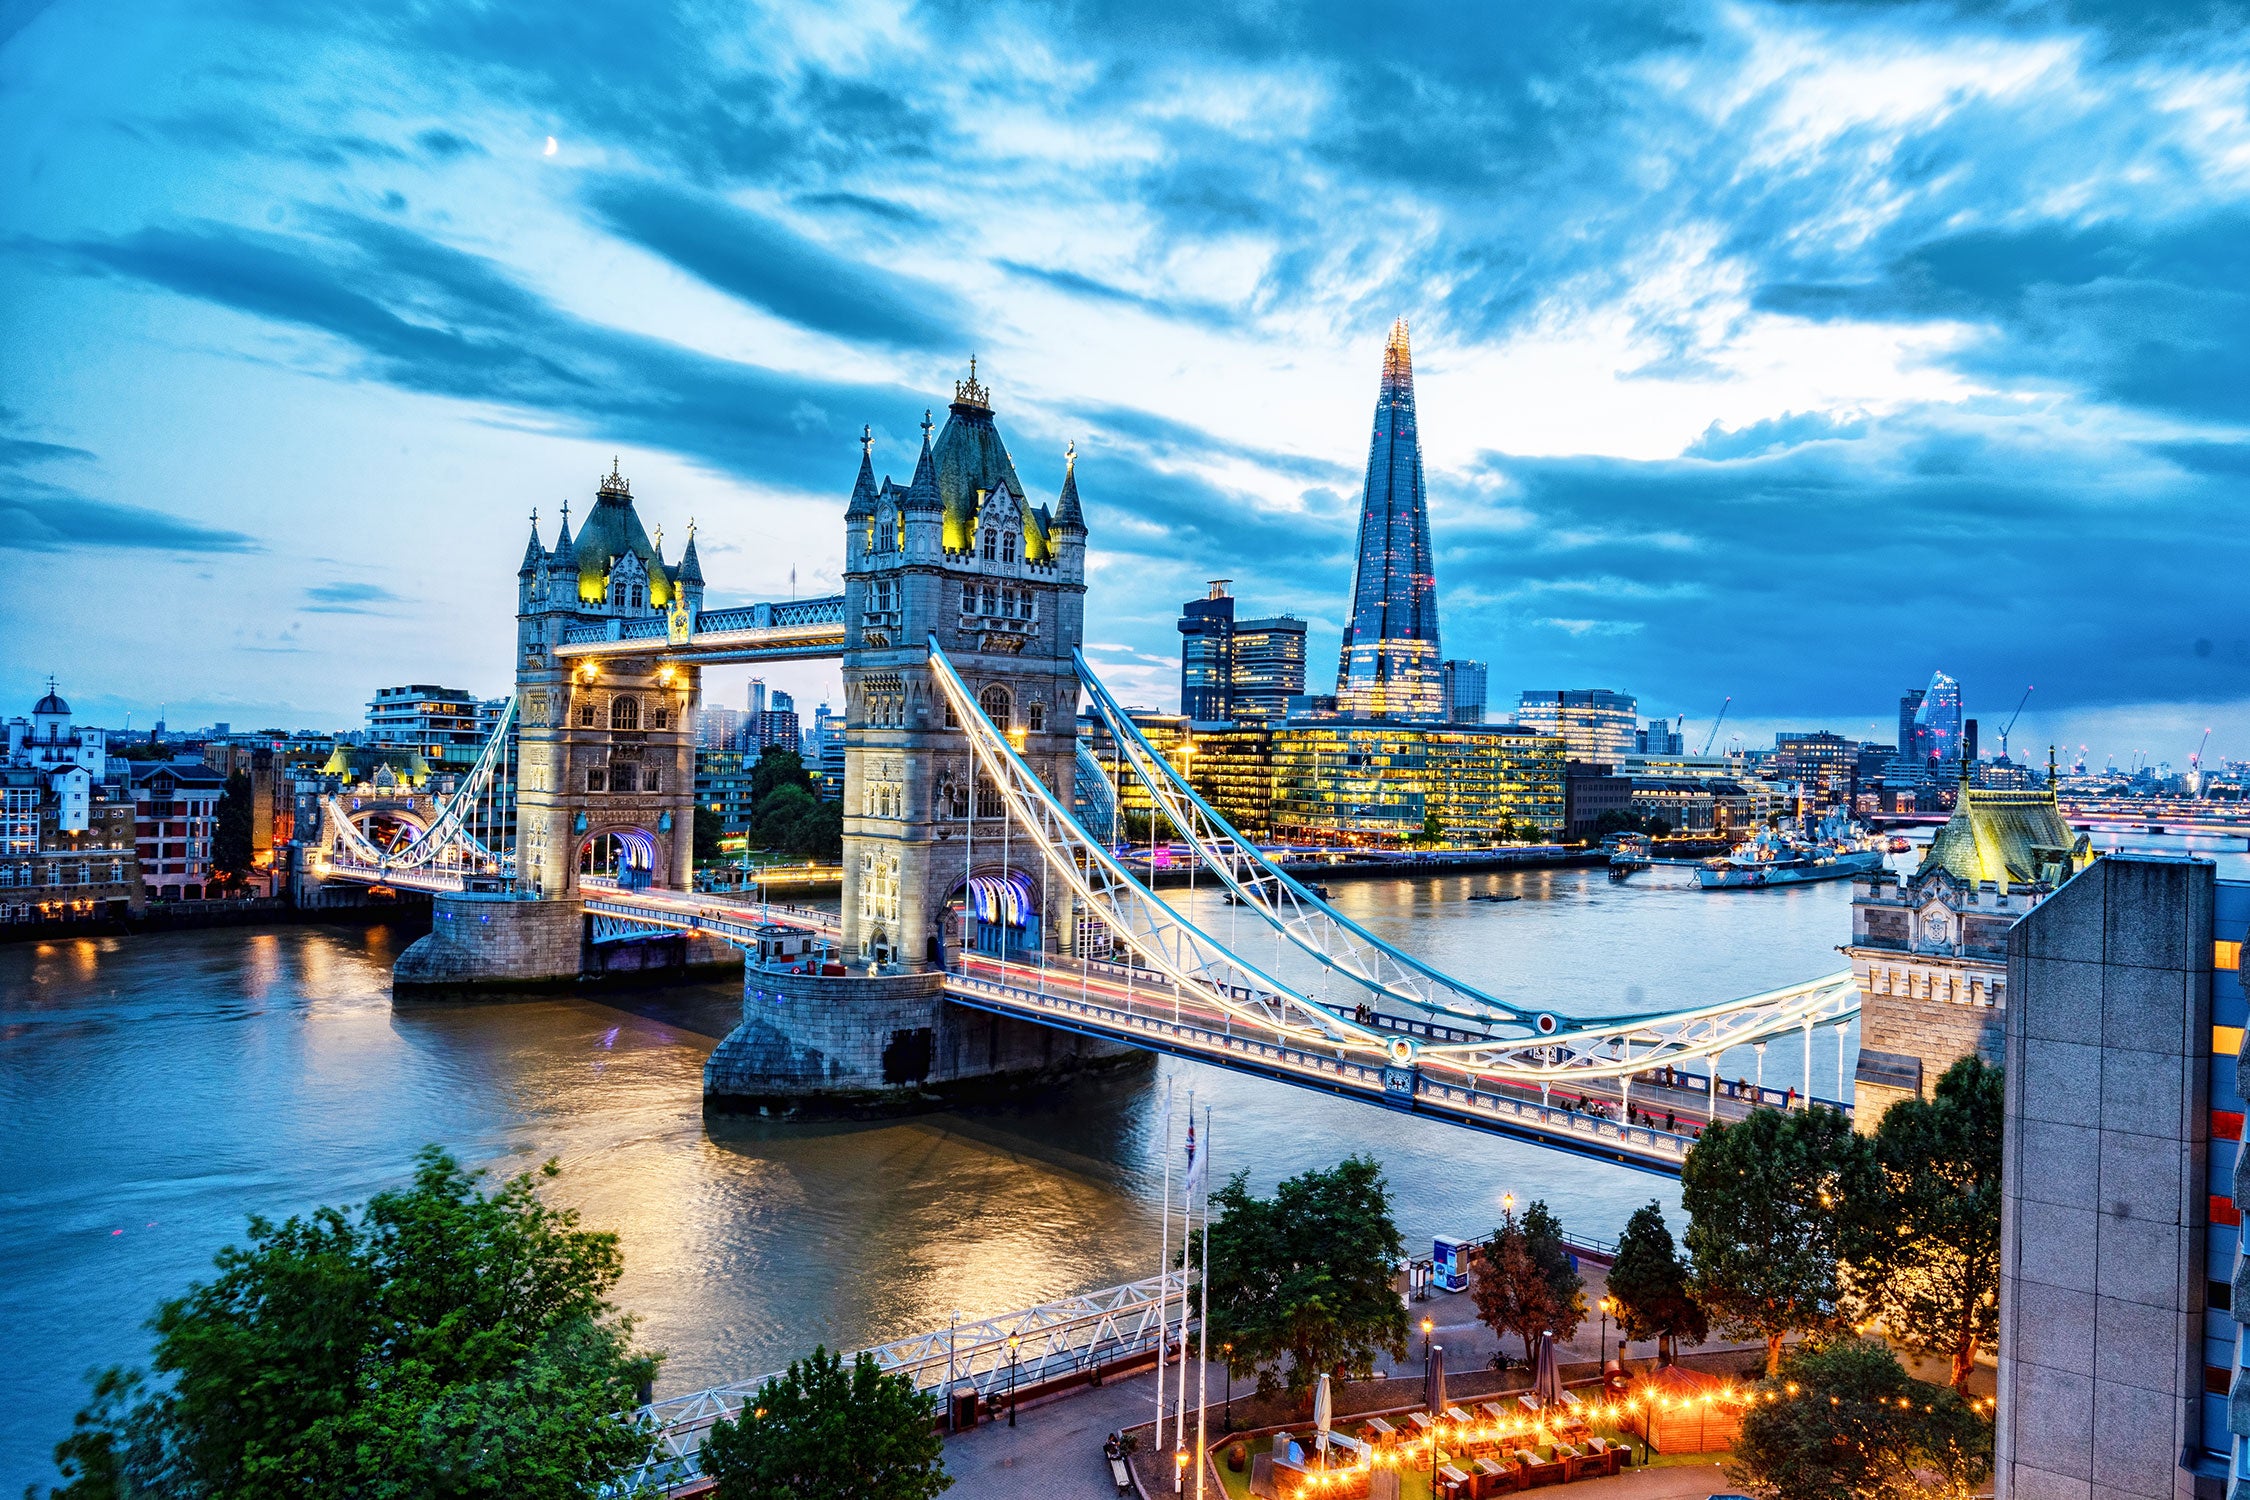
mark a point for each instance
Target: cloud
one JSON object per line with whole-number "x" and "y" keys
{"x": 343, "y": 598}
{"x": 764, "y": 262}
{"x": 39, "y": 516}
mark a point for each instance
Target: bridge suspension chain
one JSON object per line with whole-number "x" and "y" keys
{"x": 450, "y": 841}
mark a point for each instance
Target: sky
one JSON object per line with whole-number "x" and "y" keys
{"x": 1780, "y": 353}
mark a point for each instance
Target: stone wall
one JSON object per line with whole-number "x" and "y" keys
{"x": 852, "y": 1045}
{"x": 478, "y": 941}
{"x": 2102, "y": 1186}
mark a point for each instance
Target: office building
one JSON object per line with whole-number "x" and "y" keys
{"x": 827, "y": 761}
{"x": 1658, "y": 737}
{"x": 1390, "y": 663}
{"x": 1378, "y": 782}
{"x": 1589, "y": 793}
{"x": 777, "y": 725}
{"x": 1207, "y": 655}
{"x": 1269, "y": 668}
{"x": 722, "y": 788}
{"x": 718, "y": 728}
{"x": 1823, "y": 765}
{"x": 1931, "y": 734}
{"x": 440, "y": 724}
{"x": 1463, "y": 687}
{"x": 1597, "y": 725}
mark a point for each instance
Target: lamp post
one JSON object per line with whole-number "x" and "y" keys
{"x": 1507, "y": 1203}
{"x": 1012, "y": 1342}
{"x": 1605, "y": 1305}
{"x": 1428, "y": 1328}
{"x": 1226, "y": 1422}
{"x": 1179, "y": 1470}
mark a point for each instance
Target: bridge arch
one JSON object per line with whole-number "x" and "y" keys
{"x": 995, "y": 911}
{"x": 625, "y": 853}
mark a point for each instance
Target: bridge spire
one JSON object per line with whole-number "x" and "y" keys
{"x": 1067, "y": 513}
{"x": 922, "y": 494}
{"x": 862, "y": 507}
{"x": 533, "y": 553}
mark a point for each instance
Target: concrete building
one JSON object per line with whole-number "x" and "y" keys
{"x": 1822, "y": 764}
{"x": 1658, "y": 737}
{"x": 175, "y": 814}
{"x": 718, "y": 727}
{"x": 1598, "y": 726}
{"x": 1269, "y": 668}
{"x": 722, "y": 788}
{"x": 66, "y": 832}
{"x": 441, "y": 724}
{"x": 1464, "y": 690}
{"x": 2121, "y": 1277}
{"x": 1930, "y": 951}
{"x": 1589, "y": 792}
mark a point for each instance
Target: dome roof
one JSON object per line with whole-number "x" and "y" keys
{"x": 610, "y": 531}
{"x": 51, "y": 704}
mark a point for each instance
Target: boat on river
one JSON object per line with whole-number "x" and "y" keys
{"x": 1837, "y": 849}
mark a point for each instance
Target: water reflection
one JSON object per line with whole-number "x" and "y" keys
{"x": 154, "y": 1091}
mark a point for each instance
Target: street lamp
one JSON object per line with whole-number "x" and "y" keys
{"x": 1179, "y": 1470}
{"x": 1226, "y": 1423}
{"x": 1427, "y": 1328}
{"x": 1507, "y": 1203}
{"x": 1012, "y": 1342}
{"x": 1605, "y": 1307}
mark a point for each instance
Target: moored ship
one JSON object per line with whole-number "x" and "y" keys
{"x": 1837, "y": 850}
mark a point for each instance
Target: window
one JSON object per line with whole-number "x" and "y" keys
{"x": 991, "y": 541}
{"x": 991, "y": 602}
{"x": 1007, "y": 546}
{"x": 621, "y": 778}
{"x": 585, "y": 713}
{"x": 637, "y": 599}
{"x": 652, "y": 778}
{"x": 594, "y": 779}
{"x": 998, "y": 707}
{"x": 625, "y": 713}
{"x": 952, "y": 715}
{"x": 988, "y": 798}
{"x": 659, "y": 717}
{"x": 1038, "y": 717}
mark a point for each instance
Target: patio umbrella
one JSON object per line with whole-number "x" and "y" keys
{"x": 1323, "y": 1413}
{"x": 1546, "y": 1374}
{"x": 1434, "y": 1382}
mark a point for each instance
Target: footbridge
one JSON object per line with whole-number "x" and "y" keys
{"x": 981, "y": 910}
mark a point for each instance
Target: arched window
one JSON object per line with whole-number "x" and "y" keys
{"x": 998, "y": 707}
{"x": 625, "y": 713}
{"x": 991, "y": 541}
{"x": 1007, "y": 546}
{"x": 585, "y": 713}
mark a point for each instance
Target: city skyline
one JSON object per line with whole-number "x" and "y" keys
{"x": 1837, "y": 385}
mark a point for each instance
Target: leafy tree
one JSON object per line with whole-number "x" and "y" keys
{"x": 786, "y": 812}
{"x": 1649, "y": 1283}
{"x": 1306, "y": 1274}
{"x": 1768, "y": 1199}
{"x": 1522, "y": 1281}
{"x": 1927, "y": 1262}
{"x": 444, "y": 1342}
{"x": 1658, "y": 828}
{"x": 1433, "y": 830}
{"x": 707, "y": 834}
{"x": 231, "y": 841}
{"x": 826, "y": 1432}
{"x": 1846, "y": 1422}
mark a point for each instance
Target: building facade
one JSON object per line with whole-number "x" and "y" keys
{"x": 67, "y": 849}
{"x": 1824, "y": 765}
{"x": 1930, "y": 951}
{"x": 1378, "y": 782}
{"x": 1269, "y": 668}
{"x": 441, "y": 724}
{"x": 1207, "y": 655}
{"x": 175, "y": 817}
{"x": 1598, "y": 726}
{"x": 1390, "y": 664}
{"x": 1464, "y": 690}
{"x": 960, "y": 557}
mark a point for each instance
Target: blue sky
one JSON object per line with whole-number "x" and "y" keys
{"x": 1780, "y": 351}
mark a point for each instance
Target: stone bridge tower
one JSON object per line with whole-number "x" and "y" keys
{"x": 606, "y": 761}
{"x": 959, "y": 556}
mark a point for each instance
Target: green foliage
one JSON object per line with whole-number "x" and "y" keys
{"x": 1769, "y": 1200}
{"x": 1649, "y": 1286}
{"x": 824, "y": 1432}
{"x": 445, "y": 1342}
{"x": 707, "y": 834}
{"x": 1927, "y": 1259}
{"x": 1433, "y": 831}
{"x": 231, "y": 841}
{"x": 1845, "y": 1422}
{"x": 786, "y": 812}
{"x": 1522, "y": 1282}
{"x": 1306, "y": 1275}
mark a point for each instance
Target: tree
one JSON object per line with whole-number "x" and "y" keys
{"x": 707, "y": 834}
{"x": 1768, "y": 1199}
{"x": 1846, "y": 1422}
{"x": 1306, "y": 1275}
{"x": 1650, "y": 1288}
{"x": 825, "y": 1432}
{"x": 786, "y": 812}
{"x": 231, "y": 841}
{"x": 1522, "y": 1281}
{"x": 443, "y": 1342}
{"x": 1433, "y": 831}
{"x": 1928, "y": 1260}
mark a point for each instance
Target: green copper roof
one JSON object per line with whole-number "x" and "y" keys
{"x": 2014, "y": 836}
{"x": 611, "y": 531}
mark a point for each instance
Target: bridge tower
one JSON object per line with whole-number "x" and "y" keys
{"x": 606, "y": 764}
{"x": 960, "y": 556}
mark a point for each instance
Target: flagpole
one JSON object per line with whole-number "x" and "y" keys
{"x": 1164, "y": 1265}
{"x": 1187, "y": 1230}
{"x": 1203, "y": 1330}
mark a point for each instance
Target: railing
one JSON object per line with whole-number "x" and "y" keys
{"x": 1073, "y": 1336}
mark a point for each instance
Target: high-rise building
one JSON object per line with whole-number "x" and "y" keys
{"x": 1909, "y": 704}
{"x": 1658, "y": 737}
{"x": 1937, "y": 722}
{"x": 777, "y": 726}
{"x": 1464, "y": 684}
{"x": 1269, "y": 667}
{"x": 1207, "y": 655}
{"x": 1822, "y": 763}
{"x": 442, "y": 724}
{"x": 1390, "y": 664}
{"x": 717, "y": 728}
{"x": 1598, "y": 726}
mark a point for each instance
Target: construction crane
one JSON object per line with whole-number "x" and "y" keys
{"x": 1715, "y": 723}
{"x": 2195, "y": 761}
{"x": 2020, "y": 702}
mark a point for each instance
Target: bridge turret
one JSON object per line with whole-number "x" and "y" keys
{"x": 1069, "y": 529}
{"x": 689, "y": 575}
{"x": 922, "y": 510}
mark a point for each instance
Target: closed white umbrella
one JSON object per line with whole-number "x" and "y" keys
{"x": 1323, "y": 1413}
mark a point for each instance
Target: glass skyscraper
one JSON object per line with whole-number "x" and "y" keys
{"x": 1937, "y": 722}
{"x": 1391, "y": 664}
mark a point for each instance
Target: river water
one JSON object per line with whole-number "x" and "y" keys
{"x": 155, "y": 1091}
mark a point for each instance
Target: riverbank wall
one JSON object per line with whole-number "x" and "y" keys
{"x": 410, "y": 908}
{"x": 817, "y": 1046}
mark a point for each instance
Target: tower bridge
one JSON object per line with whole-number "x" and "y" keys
{"x": 986, "y": 938}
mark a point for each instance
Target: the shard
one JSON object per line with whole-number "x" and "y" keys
{"x": 1391, "y": 665}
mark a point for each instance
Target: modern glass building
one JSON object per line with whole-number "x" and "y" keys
{"x": 1207, "y": 655}
{"x": 1464, "y": 685}
{"x": 1372, "y": 781}
{"x": 1390, "y": 665}
{"x": 1269, "y": 667}
{"x": 1599, "y": 726}
{"x": 1936, "y": 732}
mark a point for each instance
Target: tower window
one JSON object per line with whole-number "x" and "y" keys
{"x": 659, "y": 717}
{"x": 1007, "y": 546}
{"x": 625, "y": 713}
{"x": 637, "y": 598}
{"x": 997, "y": 706}
{"x": 1038, "y": 717}
{"x": 991, "y": 541}
{"x": 620, "y": 778}
{"x": 595, "y": 780}
{"x": 585, "y": 713}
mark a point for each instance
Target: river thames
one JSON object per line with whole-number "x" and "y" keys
{"x": 154, "y": 1091}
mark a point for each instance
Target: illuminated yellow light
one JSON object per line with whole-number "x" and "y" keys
{"x": 2226, "y": 955}
{"x": 2226, "y": 1041}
